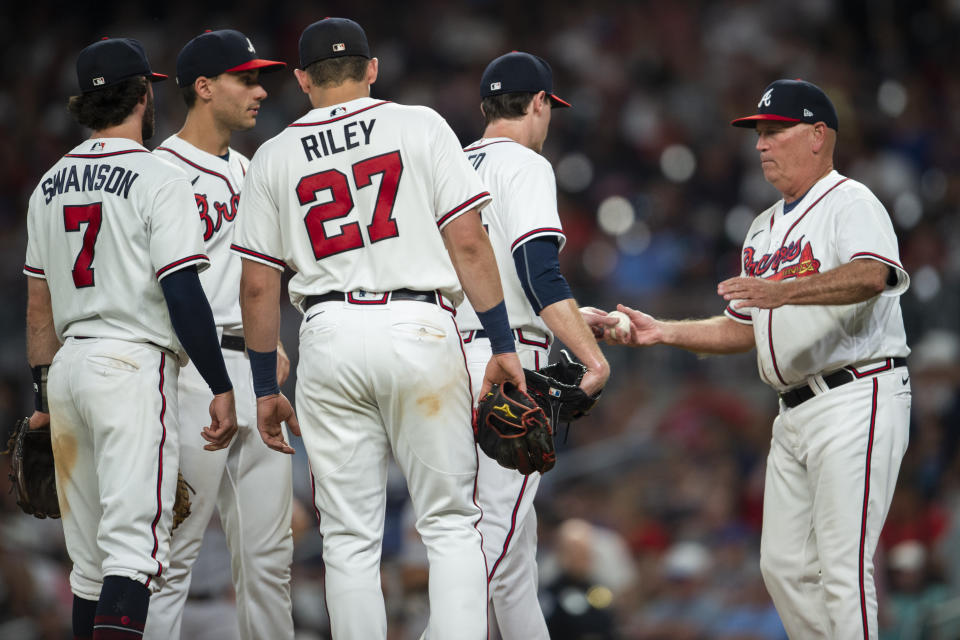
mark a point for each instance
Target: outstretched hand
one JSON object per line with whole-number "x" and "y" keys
{"x": 598, "y": 321}
{"x": 644, "y": 330}
{"x": 272, "y": 411}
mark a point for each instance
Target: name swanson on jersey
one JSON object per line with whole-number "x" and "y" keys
{"x": 95, "y": 177}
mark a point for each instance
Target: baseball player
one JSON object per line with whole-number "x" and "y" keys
{"x": 818, "y": 296}
{"x": 525, "y": 231}
{"x": 113, "y": 253}
{"x": 219, "y": 76}
{"x": 364, "y": 199}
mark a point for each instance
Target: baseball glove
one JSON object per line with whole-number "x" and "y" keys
{"x": 556, "y": 388}
{"x": 511, "y": 428}
{"x": 181, "y": 504}
{"x": 31, "y": 470}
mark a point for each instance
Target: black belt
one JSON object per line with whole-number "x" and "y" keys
{"x": 234, "y": 343}
{"x": 833, "y": 380}
{"x": 360, "y": 298}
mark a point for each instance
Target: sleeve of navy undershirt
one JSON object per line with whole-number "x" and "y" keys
{"x": 538, "y": 267}
{"x": 193, "y": 322}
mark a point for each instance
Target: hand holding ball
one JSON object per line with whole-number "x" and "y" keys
{"x": 622, "y": 329}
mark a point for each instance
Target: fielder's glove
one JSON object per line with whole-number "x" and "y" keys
{"x": 31, "y": 470}
{"x": 511, "y": 428}
{"x": 181, "y": 505}
{"x": 556, "y": 388}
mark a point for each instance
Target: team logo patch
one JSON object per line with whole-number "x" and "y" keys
{"x": 339, "y": 46}
{"x": 765, "y": 99}
{"x": 337, "y": 111}
{"x": 505, "y": 410}
{"x": 494, "y": 86}
{"x": 99, "y": 81}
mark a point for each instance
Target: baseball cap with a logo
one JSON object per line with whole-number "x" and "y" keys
{"x": 792, "y": 101}
{"x": 111, "y": 60}
{"x": 216, "y": 52}
{"x": 519, "y": 72}
{"x": 332, "y": 38}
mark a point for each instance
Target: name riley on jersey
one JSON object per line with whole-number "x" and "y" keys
{"x": 96, "y": 177}
{"x": 324, "y": 142}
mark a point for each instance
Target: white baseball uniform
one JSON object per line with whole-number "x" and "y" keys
{"x": 524, "y": 207}
{"x": 834, "y": 458}
{"x": 105, "y": 224}
{"x": 237, "y": 478}
{"x": 351, "y": 197}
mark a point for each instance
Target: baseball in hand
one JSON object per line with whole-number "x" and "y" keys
{"x": 622, "y": 330}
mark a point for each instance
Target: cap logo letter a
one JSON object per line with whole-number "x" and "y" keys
{"x": 494, "y": 86}
{"x": 765, "y": 99}
{"x": 339, "y": 46}
{"x": 99, "y": 81}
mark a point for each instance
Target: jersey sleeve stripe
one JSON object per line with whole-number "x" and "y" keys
{"x": 736, "y": 315}
{"x": 199, "y": 168}
{"x": 33, "y": 271}
{"x": 874, "y": 256}
{"x": 262, "y": 257}
{"x": 480, "y": 196}
{"x": 199, "y": 257}
{"x": 543, "y": 231}
{"x": 346, "y": 115}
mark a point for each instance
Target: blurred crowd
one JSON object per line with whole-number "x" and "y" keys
{"x": 649, "y": 525}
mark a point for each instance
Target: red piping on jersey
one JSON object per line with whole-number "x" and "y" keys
{"x": 863, "y": 518}
{"x": 30, "y": 269}
{"x": 346, "y": 115}
{"x": 181, "y": 261}
{"x": 104, "y": 155}
{"x": 737, "y": 314}
{"x": 261, "y": 256}
{"x": 461, "y": 207}
{"x": 550, "y": 230}
{"x": 773, "y": 355}
{"x": 511, "y": 531}
{"x": 867, "y": 254}
{"x": 163, "y": 438}
{"x": 481, "y": 146}
{"x": 199, "y": 168}
{"x": 524, "y": 340}
{"x": 857, "y": 373}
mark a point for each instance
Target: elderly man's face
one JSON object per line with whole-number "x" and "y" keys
{"x": 785, "y": 152}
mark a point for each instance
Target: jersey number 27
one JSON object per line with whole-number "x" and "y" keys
{"x": 382, "y": 224}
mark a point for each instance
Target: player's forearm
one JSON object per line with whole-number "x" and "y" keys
{"x": 850, "y": 283}
{"x": 42, "y": 342}
{"x": 566, "y": 322}
{"x": 260, "y": 306}
{"x": 717, "y": 335}
{"x": 474, "y": 261}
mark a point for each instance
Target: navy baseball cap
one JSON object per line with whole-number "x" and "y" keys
{"x": 216, "y": 52}
{"x": 332, "y": 38}
{"x": 111, "y": 60}
{"x": 519, "y": 72}
{"x": 792, "y": 101}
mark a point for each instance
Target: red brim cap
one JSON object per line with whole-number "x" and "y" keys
{"x": 157, "y": 77}
{"x": 257, "y": 63}
{"x": 751, "y": 121}
{"x": 558, "y": 101}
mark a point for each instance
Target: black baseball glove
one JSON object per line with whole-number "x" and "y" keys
{"x": 556, "y": 388}
{"x": 511, "y": 428}
{"x": 32, "y": 470}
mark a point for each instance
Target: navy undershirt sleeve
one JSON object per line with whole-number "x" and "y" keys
{"x": 193, "y": 322}
{"x": 538, "y": 267}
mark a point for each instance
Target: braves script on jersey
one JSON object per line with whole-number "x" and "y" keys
{"x": 509, "y": 167}
{"x": 216, "y": 185}
{"x": 377, "y": 142}
{"x": 105, "y": 223}
{"x": 837, "y": 221}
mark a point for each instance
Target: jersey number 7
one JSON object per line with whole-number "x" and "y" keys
{"x": 73, "y": 217}
{"x": 382, "y": 224}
